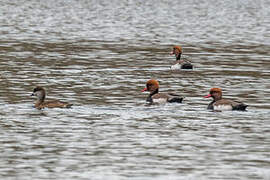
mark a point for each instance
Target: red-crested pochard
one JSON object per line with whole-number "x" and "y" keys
{"x": 220, "y": 104}
{"x": 156, "y": 98}
{"x": 40, "y": 93}
{"x": 180, "y": 63}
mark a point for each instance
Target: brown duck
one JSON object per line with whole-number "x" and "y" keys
{"x": 220, "y": 104}
{"x": 157, "y": 98}
{"x": 179, "y": 63}
{"x": 40, "y": 93}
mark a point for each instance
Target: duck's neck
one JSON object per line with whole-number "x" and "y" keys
{"x": 40, "y": 100}
{"x": 178, "y": 57}
{"x": 153, "y": 92}
{"x": 38, "y": 103}
{"x": 149, "y": 98}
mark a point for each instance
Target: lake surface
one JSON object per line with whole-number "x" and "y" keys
{"x": 98, "y": 55}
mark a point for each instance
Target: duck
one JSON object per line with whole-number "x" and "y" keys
{"x": 220, "y": 104}
{"x": 40, "y": 93}
{"x": 179, "y": 63}
{"x": 155, "y": 97}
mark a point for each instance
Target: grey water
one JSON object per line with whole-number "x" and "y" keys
{"x": 98, "y": 55}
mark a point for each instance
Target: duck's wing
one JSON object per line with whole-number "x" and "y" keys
{"x": 160, "y": 98}
{"x": 186, "y": 58}
{"x": 239, "y": 106}
{"x": 227, "y": 104}
{"x": 56, "y": 104}
{"x": 175, "y": 98}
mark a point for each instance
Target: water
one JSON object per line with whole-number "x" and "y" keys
{"x": 98, "y": 56}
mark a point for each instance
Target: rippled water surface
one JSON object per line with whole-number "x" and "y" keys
{"x": 98, "y": 56}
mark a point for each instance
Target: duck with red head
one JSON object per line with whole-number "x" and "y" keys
{"x": 179, "y": 63}
{"x": 157, "y": 98}
{"x": 220, "y": 104}
{"x": 40, "y": 93}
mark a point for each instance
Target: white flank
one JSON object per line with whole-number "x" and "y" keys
{"x": 160, "y": 100}
{"x": 176, "y": 66}
{"x": 223, "y": 107}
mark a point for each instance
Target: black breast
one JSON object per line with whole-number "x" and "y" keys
{"x": 210, "y": 106}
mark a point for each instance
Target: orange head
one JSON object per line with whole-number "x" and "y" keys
{"x": 176, "y": 50}
{"x": 216, "y": 93}
{"x": 151, "y": 85}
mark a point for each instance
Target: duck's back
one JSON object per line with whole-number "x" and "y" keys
{"x": 55, "y": 104}
{"x": 226, "y": 104}
{"x": 164, "y": 97}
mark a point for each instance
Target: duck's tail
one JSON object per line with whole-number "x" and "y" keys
{"x": 187, "y": 66}
{"x": 68, "y": 105}
{"x": 240, "y": 107}
{"x": 175, "y": 100}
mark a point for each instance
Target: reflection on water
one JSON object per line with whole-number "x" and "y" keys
{"x": 98, "y": 55}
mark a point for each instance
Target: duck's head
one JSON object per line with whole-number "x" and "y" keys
{"x": 151, "y": 86}
{"x": 177, "y": 50}
{"x": 215, "y": 93}
{"x": 39, "y": 92}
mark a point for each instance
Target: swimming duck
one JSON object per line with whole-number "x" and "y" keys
{"x": 40, "y": 93}
{"x": 179, "y": 63}
{"x": 220, "y": 104}
{"x": 157, "y": 98}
